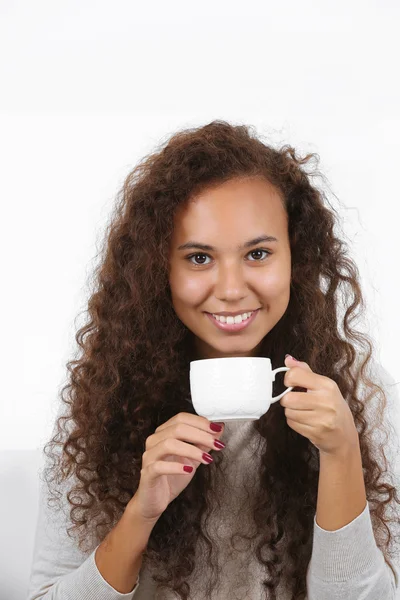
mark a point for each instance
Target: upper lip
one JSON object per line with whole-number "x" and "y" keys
{"x": 233, "y": 314}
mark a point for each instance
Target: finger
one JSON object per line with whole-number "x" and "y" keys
{"x": 185, "y": 433}
{"x": 299, "y": 377}
{"x": 161, "y": 467}
{"x": 290, "y": 361}
{"x": 189, "y": 419}
{"x": 302, "y": 417}
{"x": 299, "y": 401}
{"x": 173, "y": 447}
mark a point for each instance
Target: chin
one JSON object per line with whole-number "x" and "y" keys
{"x": 230, "y": 347}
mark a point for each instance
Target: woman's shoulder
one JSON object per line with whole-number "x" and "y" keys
{"x": 387, "y": 414}
{"x": 378, "y": 374}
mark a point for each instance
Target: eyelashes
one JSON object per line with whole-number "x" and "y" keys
{"x": 190, "y": 256}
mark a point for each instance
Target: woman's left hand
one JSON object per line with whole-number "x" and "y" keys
{"x": 320, "y": 414}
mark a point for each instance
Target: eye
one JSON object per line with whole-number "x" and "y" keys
{"x": 260, "y": 250}
{"x": 197, "y": 254}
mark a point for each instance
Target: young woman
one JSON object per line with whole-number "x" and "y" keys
{"x": 297, "y": 504}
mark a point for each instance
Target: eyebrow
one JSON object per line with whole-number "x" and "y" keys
{"x": 207, "y": 248}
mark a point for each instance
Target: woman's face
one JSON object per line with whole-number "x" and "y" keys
{"x": 234, "y": 273}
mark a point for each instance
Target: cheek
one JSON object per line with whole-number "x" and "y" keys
{"x": 187, "y": 290}
{"x": 274, "y": 285}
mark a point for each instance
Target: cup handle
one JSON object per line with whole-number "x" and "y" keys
{"x": 289, "y": 389}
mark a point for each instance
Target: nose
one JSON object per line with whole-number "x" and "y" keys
{"x": 231, "y": 285}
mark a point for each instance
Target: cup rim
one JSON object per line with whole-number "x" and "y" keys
{"x": 202, "y": 360}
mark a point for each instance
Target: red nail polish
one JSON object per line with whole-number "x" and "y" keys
{"x": 219, "y": 445}
{"x": 215, "y": 427}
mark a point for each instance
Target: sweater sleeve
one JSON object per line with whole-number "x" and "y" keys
{"x": 347, "y": 563}
{"x": 59, "y": 570}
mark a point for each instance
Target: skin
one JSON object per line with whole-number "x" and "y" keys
{"x": 228, "y": 278}
{"x": 231, "y": 279}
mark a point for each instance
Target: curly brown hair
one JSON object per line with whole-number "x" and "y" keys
{"x": 133, "y": 372}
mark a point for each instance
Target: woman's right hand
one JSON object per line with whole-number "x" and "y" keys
{"x": 178, "y": 442}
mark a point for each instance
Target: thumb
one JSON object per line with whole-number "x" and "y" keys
{"x": 290, "y": 361}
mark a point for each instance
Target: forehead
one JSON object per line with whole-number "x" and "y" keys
{"x": 237, "y": 208}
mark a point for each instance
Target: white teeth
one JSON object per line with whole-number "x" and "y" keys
{"x": 231, "y": 320}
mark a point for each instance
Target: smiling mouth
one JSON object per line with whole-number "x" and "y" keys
{"x": 230, "y": 324}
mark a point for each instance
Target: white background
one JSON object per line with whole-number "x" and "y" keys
{"x": 89, "y": 88}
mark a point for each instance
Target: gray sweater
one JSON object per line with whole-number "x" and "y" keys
{"x": 345, "y": 564}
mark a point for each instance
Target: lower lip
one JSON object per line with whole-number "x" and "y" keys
{"x": 233, "y": 326}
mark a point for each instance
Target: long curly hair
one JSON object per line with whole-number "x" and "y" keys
{"x": 131, "y": 373}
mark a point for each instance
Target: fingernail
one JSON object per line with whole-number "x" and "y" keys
{"x": 292, "y": 357}
{"x": 215, "y": 427}
{"x": 207, "y": 457}
{"x": 219, "y": 445}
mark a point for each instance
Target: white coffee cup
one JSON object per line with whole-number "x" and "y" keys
{"x": 236, "y": 388}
